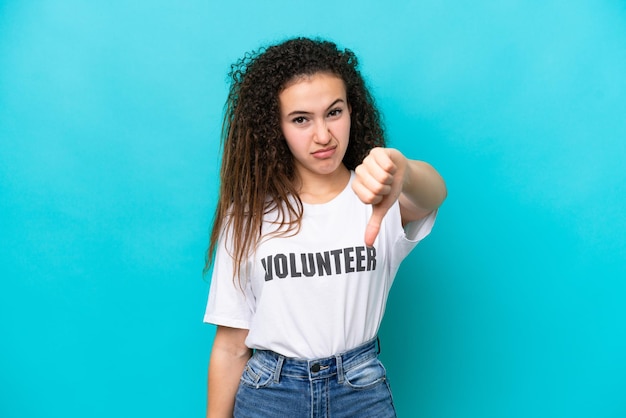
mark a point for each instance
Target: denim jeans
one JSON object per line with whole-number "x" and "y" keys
{"x": 348, "y": 385}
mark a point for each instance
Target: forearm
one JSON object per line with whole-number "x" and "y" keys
{"x": 225, "y": 368}
{"x": 423, "y": 190}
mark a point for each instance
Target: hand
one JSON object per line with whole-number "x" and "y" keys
{"x": 379, "y": 179}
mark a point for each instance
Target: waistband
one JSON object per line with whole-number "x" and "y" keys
{"x": 318, "y": 368}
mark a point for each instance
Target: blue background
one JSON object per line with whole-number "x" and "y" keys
{"x": 109, "y": 127}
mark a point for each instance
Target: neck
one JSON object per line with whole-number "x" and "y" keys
{"x": 317, "y": 189}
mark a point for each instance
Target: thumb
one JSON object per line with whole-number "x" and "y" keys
{"x": 373, "y": 226}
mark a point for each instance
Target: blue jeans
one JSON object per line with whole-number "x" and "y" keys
{"x": 348, "y": 385}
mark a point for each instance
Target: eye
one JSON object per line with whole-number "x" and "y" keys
{"x": 299, "y": 120}
{"x": 335, "y": 112}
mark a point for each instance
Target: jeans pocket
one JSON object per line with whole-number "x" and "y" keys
{"x": 366, "y": 375}
{"x": 256, "y": 374}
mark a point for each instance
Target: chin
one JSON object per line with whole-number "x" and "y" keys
{"x": 331, "y": 169}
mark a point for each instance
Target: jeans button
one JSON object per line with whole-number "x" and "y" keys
{"x": 315, "y": 368}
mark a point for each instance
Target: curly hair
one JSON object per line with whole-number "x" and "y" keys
{"x": 257, "y": 173}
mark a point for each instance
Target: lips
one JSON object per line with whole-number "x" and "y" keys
{"x": 324, "y": 153}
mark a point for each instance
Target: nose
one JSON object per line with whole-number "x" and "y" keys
{"x": 322, "y": 133}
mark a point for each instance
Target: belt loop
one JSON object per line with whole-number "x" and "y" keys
{"x": 340, "y": 376}
{"x": 378, "y": 344}
{"x": 279, "y": 368}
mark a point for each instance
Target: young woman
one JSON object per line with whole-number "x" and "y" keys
{"x": 313, "y": 220}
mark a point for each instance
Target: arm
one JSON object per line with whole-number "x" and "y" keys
{"x": 228, "y": 359}
{"x": 385, "y": 176}
{"x": 423, "y": 190}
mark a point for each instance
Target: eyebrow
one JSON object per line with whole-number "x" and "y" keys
{"x": 302, "y": 112}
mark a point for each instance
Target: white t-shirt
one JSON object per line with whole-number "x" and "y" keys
{"x": 320, "y": 292}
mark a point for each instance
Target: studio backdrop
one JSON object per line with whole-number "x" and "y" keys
{"x": 110, "y": 118}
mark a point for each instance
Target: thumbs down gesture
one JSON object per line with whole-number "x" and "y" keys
{"x": 386, "y": 176}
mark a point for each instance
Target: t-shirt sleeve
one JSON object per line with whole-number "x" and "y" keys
{"x": 418, "y": 230}
{"x": 403, "y": 240}
{"x": 229, "y": 304}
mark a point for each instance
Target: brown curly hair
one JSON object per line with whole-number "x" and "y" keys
{"x": 257, "y": 173}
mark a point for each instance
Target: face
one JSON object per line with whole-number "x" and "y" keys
{"x": 315, "y": 120}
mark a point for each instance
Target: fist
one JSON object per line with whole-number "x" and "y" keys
{"x": 378, "y": 182}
